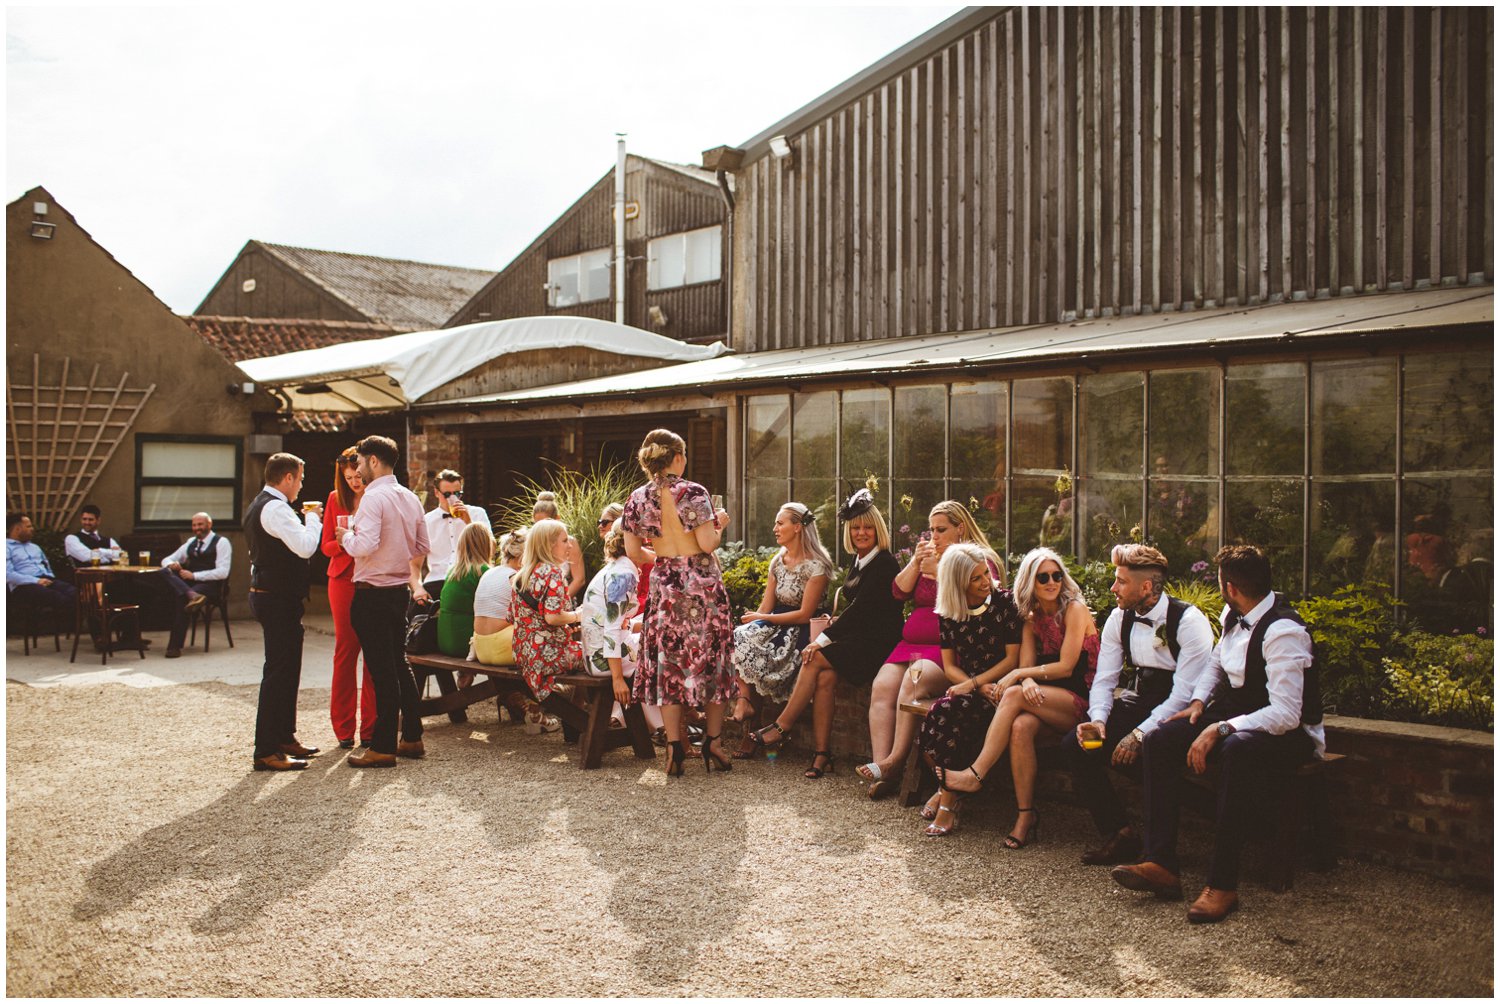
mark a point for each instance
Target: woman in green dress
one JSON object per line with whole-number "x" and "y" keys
{"x": 473, "y": 557}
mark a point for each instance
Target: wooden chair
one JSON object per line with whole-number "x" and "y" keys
{"x": 94, "y": 607}
{"x": 205, "y": 612}
{"x": 32, "y": 618}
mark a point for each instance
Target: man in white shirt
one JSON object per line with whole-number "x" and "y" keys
{"x": 280, "y": 544}
{"x": 1154, "y": 647}
{"x": 444, "y": 526}
{"x": 195, "y": 573}
{"x": 82, "y": 545}
{"x": 1256, "y": 712}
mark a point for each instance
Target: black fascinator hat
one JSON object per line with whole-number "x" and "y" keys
{"x": 856, "y": 505}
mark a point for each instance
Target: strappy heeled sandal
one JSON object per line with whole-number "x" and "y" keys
{"x": 758, "y": 737}
{"x": 675, "y": 757}
{"x": 1015, "y": 843}
{"x": 813, "y": 771}
{"x": 932, "y": 829}
{"x": 712, "y": 759}
{"x": 744, "y": 718}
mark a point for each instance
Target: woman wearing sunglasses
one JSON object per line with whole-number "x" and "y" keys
{"x": 1049, "y": 693}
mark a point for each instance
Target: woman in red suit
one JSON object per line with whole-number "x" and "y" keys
{"x": 347, "y": 693}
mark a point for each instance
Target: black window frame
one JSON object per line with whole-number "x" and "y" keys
{"x": 228, "y": 521}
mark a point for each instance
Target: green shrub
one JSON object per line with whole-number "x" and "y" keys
{"x": 1444, "y": 679}
{"x": 744, "y": 570}
{"x": 1353, "y": 630}
{"x": 51, "y": 543}
{"x": 1201, "y": 595}
{"x": 581, "y": 497}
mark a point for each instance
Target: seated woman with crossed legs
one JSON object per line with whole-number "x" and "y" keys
{"x": 1059, "y": 648}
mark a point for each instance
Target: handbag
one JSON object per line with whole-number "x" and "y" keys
{"x": 421, "y": 632}
{"x": 817, "y": 625}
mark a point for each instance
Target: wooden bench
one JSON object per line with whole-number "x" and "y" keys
{"x": 1304, "y": 802}
{"x": 591, "y": 720}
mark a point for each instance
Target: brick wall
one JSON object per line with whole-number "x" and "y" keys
{"x": 429, "y": 451}
{"x": 1417, "y": 797}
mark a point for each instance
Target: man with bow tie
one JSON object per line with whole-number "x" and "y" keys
{"x": 1256, "y": 712}
{"x": 1154, "y": 647}
{"x": 444, "y": 526}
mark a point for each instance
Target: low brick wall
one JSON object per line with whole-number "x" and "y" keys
{"x": 1417, "y": 797}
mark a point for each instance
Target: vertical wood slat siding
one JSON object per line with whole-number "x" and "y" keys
{"x": 1054, "y": 164}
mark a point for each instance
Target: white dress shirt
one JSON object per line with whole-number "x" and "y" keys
{"x": 82, "y": 554}
{"x": 281, "y": 522}
{"x": 1195, "y": 640}
{"x": 1288, "y": 652}
{"x": 222, "y": 557}
{"x": 442, "y": 536}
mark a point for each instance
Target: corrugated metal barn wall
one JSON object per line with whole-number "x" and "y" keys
{"x": 1053, "y": 164}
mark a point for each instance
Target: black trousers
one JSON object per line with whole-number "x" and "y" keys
{"x": 378, "y": 616}
{"x": 1250, "y": 765}
{"x": 60, "y": 596}
{"x": 180, "y": 588}
{"x": 280, "y": 618}
{"x": 1090, "y": 768}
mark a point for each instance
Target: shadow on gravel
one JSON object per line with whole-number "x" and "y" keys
{"x": 279, "y": 819}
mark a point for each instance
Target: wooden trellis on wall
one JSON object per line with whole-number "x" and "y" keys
{"x": 61, "y": 437}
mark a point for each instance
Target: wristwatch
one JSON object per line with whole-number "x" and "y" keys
{"x": 1138, "y": 735}
{"x": 1225, "y": 729}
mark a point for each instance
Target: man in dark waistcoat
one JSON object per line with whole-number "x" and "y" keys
{"x": 1155, "y": 648}
{"x": 85, "y": 543}
{"x": 1256, "y": 712}
{"x": 195, "y": 573}
{"x": 280, "y": 544}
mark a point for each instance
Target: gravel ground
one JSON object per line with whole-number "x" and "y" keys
{"x": 144, "y": 858}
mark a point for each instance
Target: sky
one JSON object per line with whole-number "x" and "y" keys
{"x": 445, "y": 133}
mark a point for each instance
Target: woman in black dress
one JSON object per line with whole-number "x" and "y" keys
{"x": 853, "y": 646}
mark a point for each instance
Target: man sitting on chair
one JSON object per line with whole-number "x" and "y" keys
{"x": 28, "y": 573}
{"x": 82, "y": 546}
{"x": 195, "y": 573}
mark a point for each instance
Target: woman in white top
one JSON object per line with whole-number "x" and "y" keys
{"x": 611, "y": 642}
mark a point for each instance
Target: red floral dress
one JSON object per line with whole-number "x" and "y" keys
{"x": 542, "y": 650}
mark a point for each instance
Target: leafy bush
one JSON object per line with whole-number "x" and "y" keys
{"x": 1201, "y": 595}
{"x": 581, "y": 497}
{"x": 51, "y": 543}
{"x": 1444, "y": 679}
{"x": 744, "y": 570}
{"x": 1353, "y": 630}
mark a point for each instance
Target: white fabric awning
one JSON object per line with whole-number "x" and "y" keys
{"x": 383, "y": 373}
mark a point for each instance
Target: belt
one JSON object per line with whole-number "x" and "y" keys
{"x": 371, "y": 585}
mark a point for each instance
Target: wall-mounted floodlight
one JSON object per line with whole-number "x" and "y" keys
{"x": 780, "y": 147}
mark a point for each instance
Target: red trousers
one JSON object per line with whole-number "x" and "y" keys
{"x": 348, "y": 694}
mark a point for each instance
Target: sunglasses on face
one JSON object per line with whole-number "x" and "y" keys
{"x": 1042, "y": 578}
{"x": 606, "y": 522}
{"x": 452, "y": 495}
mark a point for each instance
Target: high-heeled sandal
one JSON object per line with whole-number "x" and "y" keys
{"x": 758, "y": 737}
{"x": 711, "y": 758}
{"x": 748, "y": 748}
{"x": 675, "y": 757}
{"x": 744, "y": 718}
{"x": 929, "y": 808}
{"x": 813, "y": 771}
{"x": 932, "y": 829}
{"x": 1015, "y": 843}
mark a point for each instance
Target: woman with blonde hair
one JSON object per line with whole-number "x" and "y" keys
{"x": 471, "y": 559}
{"x": 1059, "y": 649}
{"x": 686, "y": 637}
{"x": 914, "y": 668}
{"x": 854, "y": 645}
{"x": 572, "y": 557}
{"x": 542, "y": 611}
{"x": 494, "y": 634}
{"x": 768, "y": 643}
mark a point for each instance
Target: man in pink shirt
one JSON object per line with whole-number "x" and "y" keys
{"x": 384, "y": 537}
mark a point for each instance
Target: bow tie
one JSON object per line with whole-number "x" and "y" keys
{"x": 1235, "y": 620}
{"x": 447, "y": 515}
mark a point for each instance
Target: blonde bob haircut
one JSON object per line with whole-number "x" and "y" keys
{"x": 955, "y": 569}
{"x": 1025, "y": 591}
{"x": 958, "y": 514}
{"x": 544, "y": 546}
{"x": 475, "y": 551}
{"x": 870, "y": 517}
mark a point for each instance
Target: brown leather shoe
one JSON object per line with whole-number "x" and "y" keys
{"x": 412, "y": 751}
{"x": 1120, "y": 849}
{"x": 279, "y": 761}
{"x": 1148, "y": 876}
{"x": 294, "y": 748}
{"x": 1213, "y": 905}
{"x": 174, "y": 653}
{"x": 369, "y": 758}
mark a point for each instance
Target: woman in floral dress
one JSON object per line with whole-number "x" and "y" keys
{"x": 686, "y": 637}
{"x": 542, "y": 612}
{"x": 1049, "y": 693}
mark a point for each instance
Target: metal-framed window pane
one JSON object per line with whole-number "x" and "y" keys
{"x": 1111, "y": 422}
{"x": 704, "y": 249}
{"x": 1042, "y": 410}
{"x": 919, "y": 433}
{"x": 189, "y": 460}
{"x": 1183, "y": 435}
{"x": 595, "y": 274}
{"x": 1184, "y": 519}
{"x": 1353, "y": 534}
{"x": 865, "y": 440}
{"x": 766, "y": 497}
{"x": 665, "y": 262}
{"x": 1448, "y": 412}
{"x": 1111, "y": 509}
{"x": 1353, "y": 417}
{"x": 814, "y": 442}
{"x": 976, "y": 445}
{"x": 1267, "y": 418}
{"x": 1268, "y": 513}
{"x": 1448, "y": 544}
{"x": 767, "y": 437}
{"x": 1040, "y": 515}
{"x": 562, "y": 282}
{"x": 177, "y": 503}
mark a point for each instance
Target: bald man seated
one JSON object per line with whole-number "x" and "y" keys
{"x": 195, "y": 573}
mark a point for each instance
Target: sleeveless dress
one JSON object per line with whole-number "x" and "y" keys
{"x": 543, "y": 651}
{"x": 952, "y": 734}
{"x": 919, "y": 635}
{"x": 1049, "y": 640}
{"x": 767, "y": 656}
{"x": 687, "y": 638}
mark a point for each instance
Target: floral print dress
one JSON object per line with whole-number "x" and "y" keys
{"x": 542, "y": 650}
{"x": 767, "y": 656}
{"x": 609, "y": 602}
{"x": 687, "y": 640}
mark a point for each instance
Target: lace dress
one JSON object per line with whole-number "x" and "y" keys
{"x": 687, "y": 636}
{"x": 767, "y": 656}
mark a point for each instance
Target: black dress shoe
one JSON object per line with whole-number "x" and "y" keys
{"x": 1120, "y": 849}
{"x": 364, "y": 744}
{"x": 346, "y": 744}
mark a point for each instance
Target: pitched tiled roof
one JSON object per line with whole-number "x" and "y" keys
{"x": 321, "y": 421}
{"x": 239, "y": 338}
{"x": 408, "y": 295}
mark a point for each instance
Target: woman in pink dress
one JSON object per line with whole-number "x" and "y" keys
{"x": 687, "y": 635}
